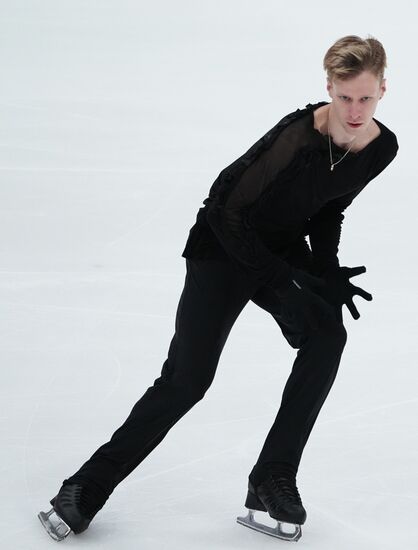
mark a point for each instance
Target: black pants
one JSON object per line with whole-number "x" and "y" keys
{"x": 214, "y": 294}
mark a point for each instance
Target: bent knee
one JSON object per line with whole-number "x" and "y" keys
{"x": 190, "y": 390}
{"x": 334, "y": 332}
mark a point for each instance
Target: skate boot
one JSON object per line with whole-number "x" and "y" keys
{"x": 278, "y": 495}
{"x": 72, "y": 509}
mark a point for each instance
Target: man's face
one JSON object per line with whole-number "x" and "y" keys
{"x": 355, "y": 100}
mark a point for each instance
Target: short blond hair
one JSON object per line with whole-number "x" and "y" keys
{"x": 351, "y": 55}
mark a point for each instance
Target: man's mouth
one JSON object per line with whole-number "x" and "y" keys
{"x": 354, "y": 124}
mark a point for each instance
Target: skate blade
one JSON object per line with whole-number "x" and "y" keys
{"x": 277, "y": 531}
{"x": 56, "y": 528}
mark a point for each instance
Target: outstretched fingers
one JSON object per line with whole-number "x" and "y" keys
{"x": 354, "y": 271}
{"x": 366, "y": 295}
{"x": 352, "y": 309}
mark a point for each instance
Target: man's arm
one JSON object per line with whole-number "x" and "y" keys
{"x": 228, "y": 219}
{"x": 231, "y": 201}
{"x": 324, "y": 228}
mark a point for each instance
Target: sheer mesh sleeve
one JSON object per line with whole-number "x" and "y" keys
{"x": 228, "y": 212}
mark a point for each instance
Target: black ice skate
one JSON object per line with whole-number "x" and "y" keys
{"x": 279, "y": 496}
{"x": 72, "y": 510}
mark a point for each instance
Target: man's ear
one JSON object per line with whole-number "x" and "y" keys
{"x": 329, "y": 86}
{"x": 382, "y": 88}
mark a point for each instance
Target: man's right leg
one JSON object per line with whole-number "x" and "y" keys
{"x": 214, "y": 294}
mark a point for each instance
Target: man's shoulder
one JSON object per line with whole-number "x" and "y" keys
{"x": 388, "y": 140}
{"x": 385, "y": 152}
{"x": 298, "y": 122}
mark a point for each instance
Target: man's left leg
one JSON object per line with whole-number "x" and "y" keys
{"x": 272, "y": 481}
{"x": 313, "y": 373}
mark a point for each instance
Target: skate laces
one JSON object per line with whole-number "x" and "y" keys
{"x": 86, "y": 498}
{"x": 285, "y": 486}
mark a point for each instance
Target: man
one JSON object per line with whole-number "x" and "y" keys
{"x": 249, "y": 243}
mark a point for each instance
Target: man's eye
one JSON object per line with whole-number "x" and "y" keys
{"x": 344, "y": 97}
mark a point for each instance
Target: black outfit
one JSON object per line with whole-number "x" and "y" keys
{"x": 242, "y": 247}
{"x": 261, "y": 207}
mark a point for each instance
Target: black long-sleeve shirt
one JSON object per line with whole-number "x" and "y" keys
{"x": 259, "y": 208}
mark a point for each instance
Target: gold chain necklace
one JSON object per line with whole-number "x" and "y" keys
{"x": 330, "y": 153}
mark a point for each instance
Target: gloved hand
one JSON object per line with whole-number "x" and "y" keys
{"x": 338, "y": 290}
{"x": 301, "y": 298}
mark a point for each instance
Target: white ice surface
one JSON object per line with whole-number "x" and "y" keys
{"x": 115, "y": 118}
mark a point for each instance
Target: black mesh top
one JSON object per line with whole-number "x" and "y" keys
{"x": 281, "y": 190}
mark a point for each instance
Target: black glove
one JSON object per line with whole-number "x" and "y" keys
{"x": 338, "y": 290}
{"x": 301, "y": 298}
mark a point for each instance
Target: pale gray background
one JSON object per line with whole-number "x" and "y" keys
{"x": 115, "y": 118}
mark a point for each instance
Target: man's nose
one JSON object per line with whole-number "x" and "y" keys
{"x": 355, "y": 112}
